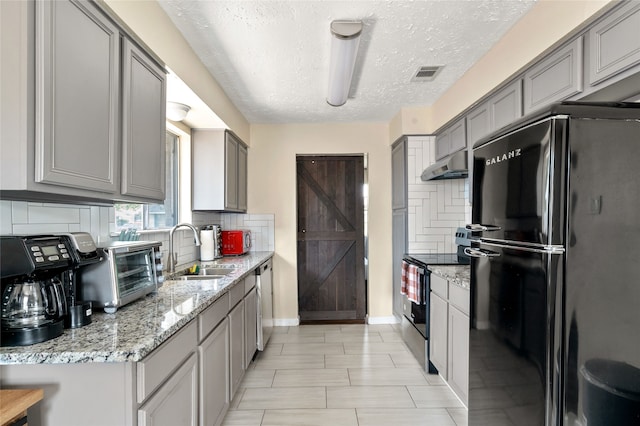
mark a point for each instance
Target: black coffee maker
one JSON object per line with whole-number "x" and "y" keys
{"x": 83, "y": 252}
{"x": 33, "y": 304}
{"x": 38, "y": 286}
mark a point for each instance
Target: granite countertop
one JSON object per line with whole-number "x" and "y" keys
{"x": 138, "y": 328}
{"x": 459, "y": 274}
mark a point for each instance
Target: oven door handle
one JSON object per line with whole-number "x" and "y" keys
{"x": 472, "y": 252}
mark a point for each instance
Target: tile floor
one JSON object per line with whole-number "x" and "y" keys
{"x": 341, "y": 375}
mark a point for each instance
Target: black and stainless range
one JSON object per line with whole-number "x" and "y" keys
{"x": 415, "y": 319}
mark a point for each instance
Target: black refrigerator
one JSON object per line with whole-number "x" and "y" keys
{"x": 555, "y": 269}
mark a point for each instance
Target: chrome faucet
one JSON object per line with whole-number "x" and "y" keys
{"x": 173, "y": 257}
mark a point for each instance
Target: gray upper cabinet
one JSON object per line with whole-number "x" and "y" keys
{"x": 452, "y": 139}
{"x": 505, "y": 105}
{"x": 557, "y": 77}
{"x": 443, "y": 141}
{"x": 143, "y": 125}
{"x": 614, "y": 43}
{"x": 399, "y": 174}
{"x": 82, "y": 107}
{"x": 399, "y": 198}
{"x": 243, "y": 157}
{"x": 477, "y": 127}
{"x": 219, "y": 171}
{"x": 477, "y": 124}
{"x": 77, "y": 96}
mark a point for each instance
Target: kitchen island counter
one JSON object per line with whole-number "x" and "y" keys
{"x": 459, "y": 275}
{"x": 138, "y": 328}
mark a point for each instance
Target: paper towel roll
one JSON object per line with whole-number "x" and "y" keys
{"x": 207, "y": 251}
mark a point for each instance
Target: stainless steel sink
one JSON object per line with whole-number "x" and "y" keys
{"x": 217, "y": 271}
{"x": 199, "y": 277}
{"x": 207, "y": 274}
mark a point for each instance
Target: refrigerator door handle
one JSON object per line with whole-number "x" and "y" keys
{"x": 477, "y": 227}
{"x": 513, "y": 245}
{"x": 480, "y": 253}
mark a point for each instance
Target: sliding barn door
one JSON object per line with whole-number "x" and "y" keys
{"x": 331, "y": 281}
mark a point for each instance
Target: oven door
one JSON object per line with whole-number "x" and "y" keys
{"x": 417, "y": 313}
{"x": 415, "y": 327}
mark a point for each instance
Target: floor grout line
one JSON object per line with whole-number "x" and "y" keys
{"x": 364, "y": 363}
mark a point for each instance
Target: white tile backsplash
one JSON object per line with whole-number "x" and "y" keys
{"x": 435, "y": 208}
{"x": 20, "y": 217}
{"x": 262, "y": 227}
{"x": 6, "y": 225}
{"x": 48, "y": 214}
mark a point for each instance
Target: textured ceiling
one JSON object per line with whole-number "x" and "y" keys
{"x": 272, "y": 57}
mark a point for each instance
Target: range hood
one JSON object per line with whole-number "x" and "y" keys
{"x": 451, "y": 167}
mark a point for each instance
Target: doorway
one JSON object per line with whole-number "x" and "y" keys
{"x": 331, "y": 239}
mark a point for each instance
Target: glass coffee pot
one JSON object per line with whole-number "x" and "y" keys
{"x": 32, "y": 303}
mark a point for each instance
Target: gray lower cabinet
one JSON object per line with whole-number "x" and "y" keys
{"x": 438, "y": 343}
{"x": 214, "y": 375}
{"x": 449, "y": 333}
{"x": 188, "y": 380}
{"x": 557, "y": 77}
{"x": 143, "y": 125}
{"x": 458, "y": 348}
{"x": 236, "y": 347}
{"x": 219, "y": 171}
{"x": 614, "y": 43}
{"x": 176, "y": 402}
{"x": 82, "y": 106}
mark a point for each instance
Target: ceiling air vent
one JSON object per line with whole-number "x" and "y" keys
{"x": 426, "y": 73}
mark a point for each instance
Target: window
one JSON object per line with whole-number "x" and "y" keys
{"x": 155, "y": 216}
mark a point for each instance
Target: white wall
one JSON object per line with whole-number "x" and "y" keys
{"x": 436, "y": 208}
{"x": 272, "y": 183}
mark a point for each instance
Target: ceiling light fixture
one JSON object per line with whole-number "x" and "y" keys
{"x": 177, "y": 111}
{"x": 344, "y": 47}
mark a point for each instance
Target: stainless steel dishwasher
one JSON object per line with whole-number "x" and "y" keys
{"x": 264, "y": 287}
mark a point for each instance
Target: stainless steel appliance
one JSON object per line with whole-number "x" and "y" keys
{"x": 127, "y": 273}
{"x": 33, "y": 301}
{"x": 211, "y": 242}
{"x": 554, "y": 276}
{"x": 415, "y": 320}
{"x": 264, "y": 287}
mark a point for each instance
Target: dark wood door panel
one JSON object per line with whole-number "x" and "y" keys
{"x": 330, "y": 238}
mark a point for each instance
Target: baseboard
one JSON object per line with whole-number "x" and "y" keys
{"x": 286, "y": 322}
{"x": 383, "y": 320}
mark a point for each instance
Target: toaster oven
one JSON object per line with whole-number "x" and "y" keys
{"x": 236, "y": 242}
{"x": 127, "y": 273}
